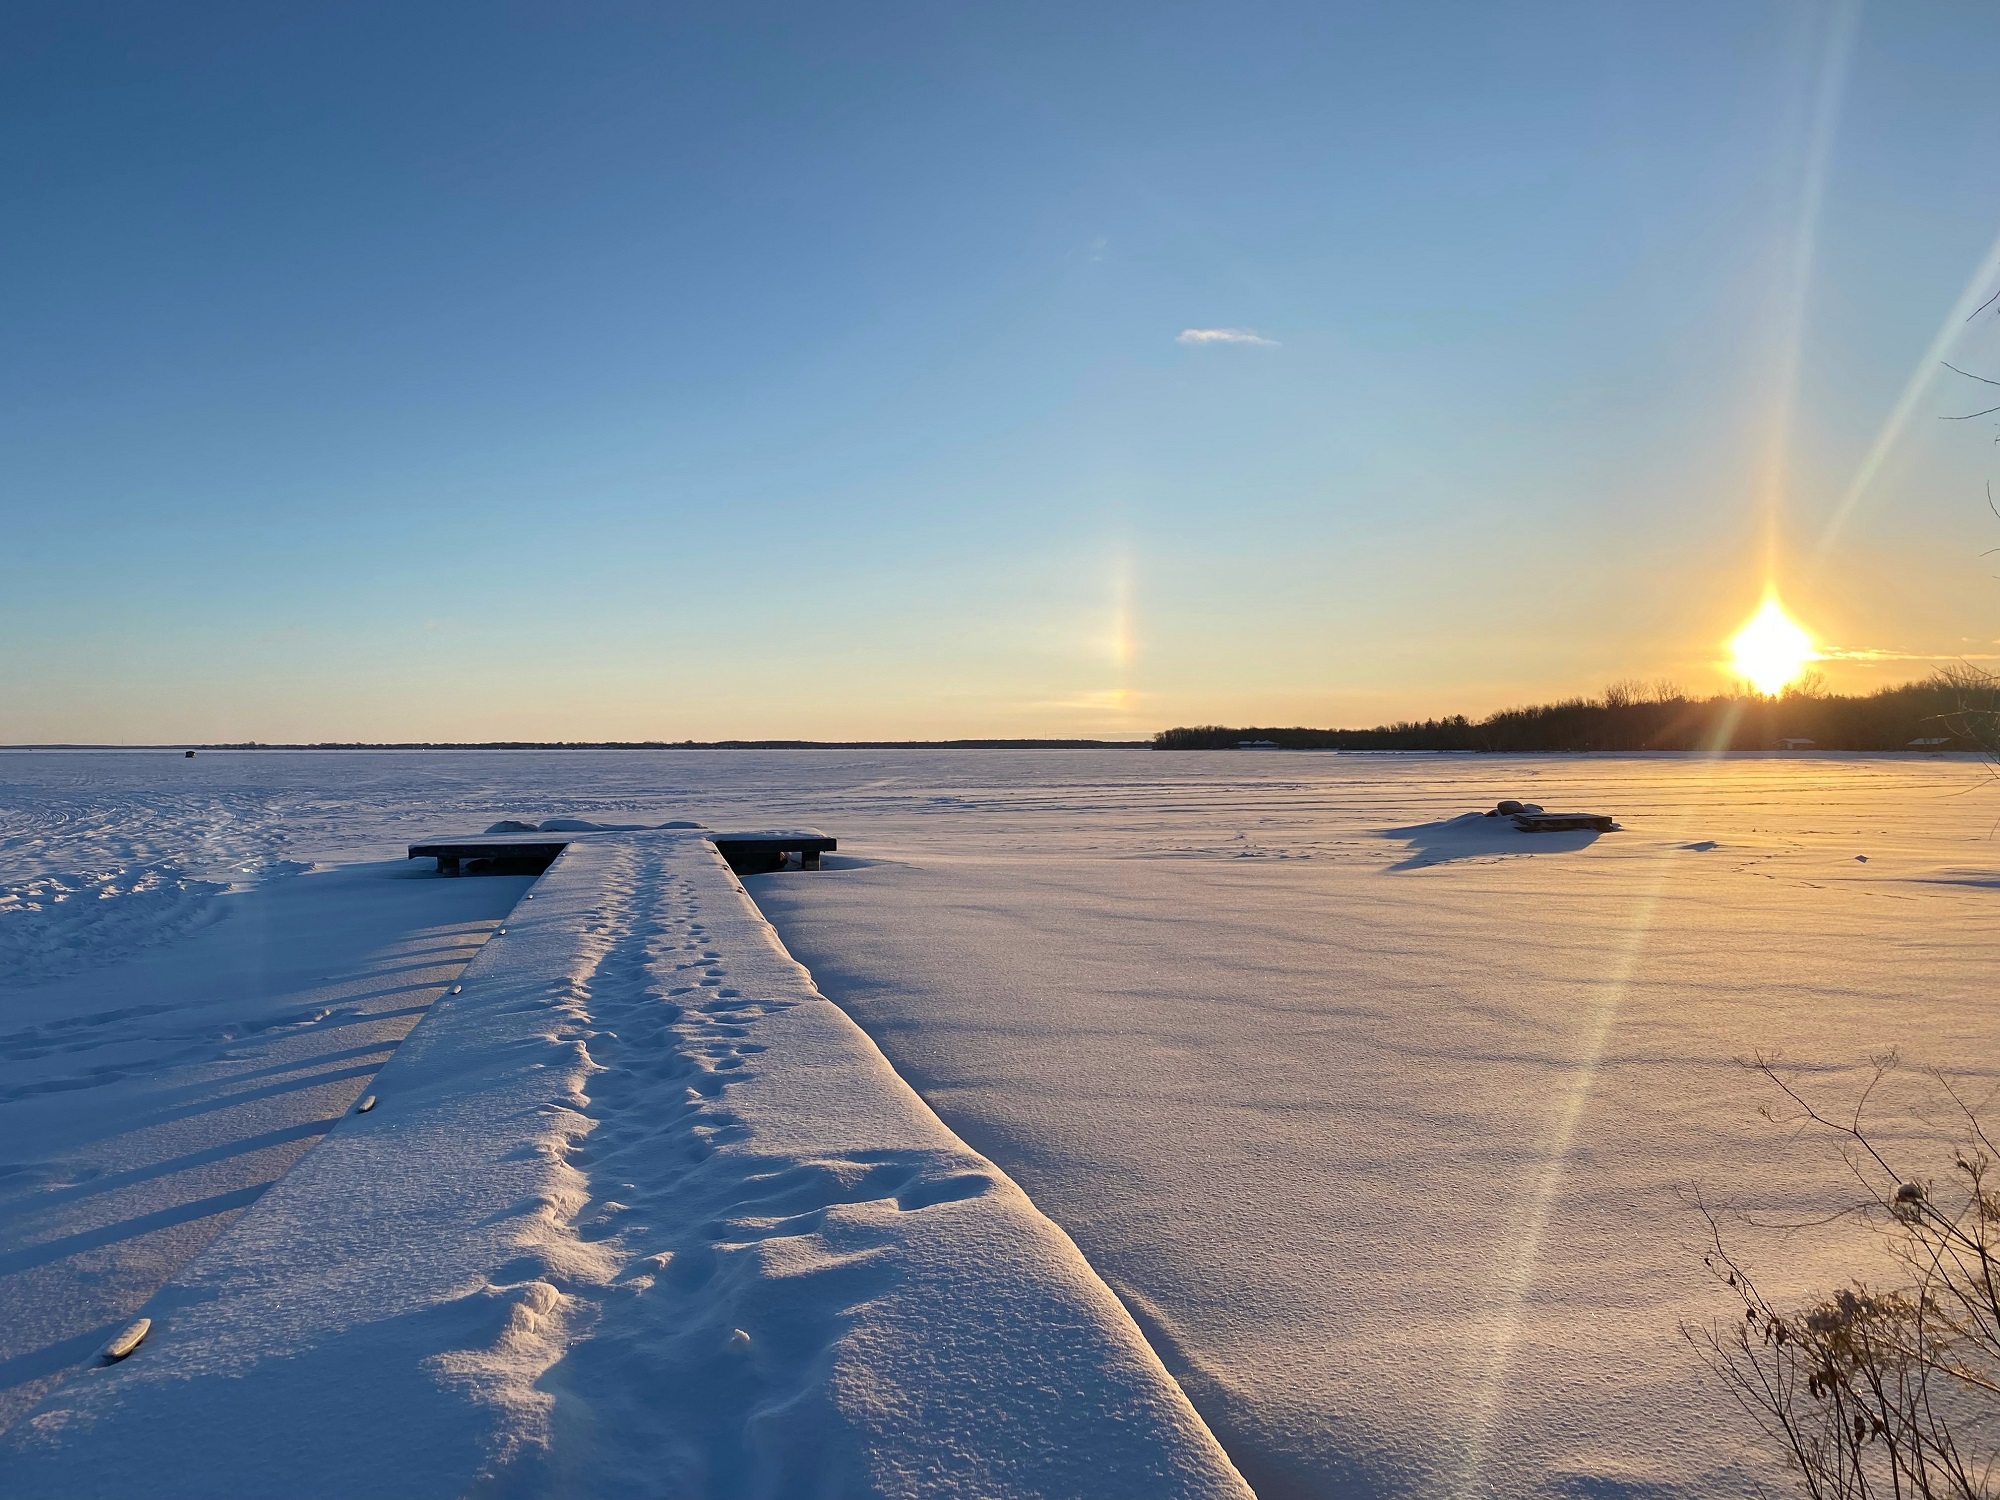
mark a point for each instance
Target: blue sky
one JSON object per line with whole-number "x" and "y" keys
{"x": 465, "y": 371}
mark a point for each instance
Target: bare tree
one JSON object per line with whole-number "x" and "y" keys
{"x": 1624, "y": 693}
{"x": 1977, "y": 717}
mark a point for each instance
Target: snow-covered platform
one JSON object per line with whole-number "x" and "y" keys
{"x": 760, "y": 850}
{"x": 638, "y": 1211}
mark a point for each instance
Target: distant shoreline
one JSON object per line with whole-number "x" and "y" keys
{"x": 1950, "y": 711}
{"x": 1955, "y": 752}
{"x": 1145, "y": 744}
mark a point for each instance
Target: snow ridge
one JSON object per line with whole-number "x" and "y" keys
{"x": 57, "y": 923}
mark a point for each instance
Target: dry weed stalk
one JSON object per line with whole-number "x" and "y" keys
{"x": 1977, "y": 717}
{"x": 1874, "y": 1392}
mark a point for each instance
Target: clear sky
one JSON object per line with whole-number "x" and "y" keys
{"x": 423, "y": 370}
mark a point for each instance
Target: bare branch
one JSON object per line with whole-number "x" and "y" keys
{"x": 1870, "y": 1392}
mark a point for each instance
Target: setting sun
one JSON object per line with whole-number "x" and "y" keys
{"x": 1772, "y": 649}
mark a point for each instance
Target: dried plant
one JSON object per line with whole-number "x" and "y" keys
{"x": 1870, "y": 1391}
{"x": 1976, "y": 718}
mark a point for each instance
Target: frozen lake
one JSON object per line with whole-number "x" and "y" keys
{"x": 1381, "y": 1128}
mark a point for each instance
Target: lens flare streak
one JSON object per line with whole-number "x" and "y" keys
{"x": 1503, "y": 1322}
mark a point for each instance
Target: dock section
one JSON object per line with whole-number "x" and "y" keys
{"x": 636, "y": 1211}
{"x": 753, "y": 852}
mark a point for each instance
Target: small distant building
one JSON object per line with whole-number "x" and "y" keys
{"x": 1934, "y": 742}
{"x": 1258, "y": 745}
{"x": 1797, "y": 744}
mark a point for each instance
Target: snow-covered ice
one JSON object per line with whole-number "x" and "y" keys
{"x": 1375, "y": 1121}
{"x": 1379, "y": 1116}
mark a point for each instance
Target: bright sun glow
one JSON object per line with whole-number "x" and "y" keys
{"x": 1772, "y": 650}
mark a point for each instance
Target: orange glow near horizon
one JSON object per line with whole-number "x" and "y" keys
{"x": 1772, "y": 650}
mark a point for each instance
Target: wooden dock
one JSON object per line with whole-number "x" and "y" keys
{"x": 1548, "y": 822}
{"x": 637, "y": 1159}
{"x": 532, "y": 853}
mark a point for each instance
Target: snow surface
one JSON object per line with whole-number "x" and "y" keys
{"x": 1377, "y": 1122}
{"x": 144, "y": 1105}
{"x": 635, "y": 1210}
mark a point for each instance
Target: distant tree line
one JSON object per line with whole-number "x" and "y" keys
{"x": 1956, "y": 709}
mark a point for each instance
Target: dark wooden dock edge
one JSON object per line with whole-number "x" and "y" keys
{"x": 747, "y": 853}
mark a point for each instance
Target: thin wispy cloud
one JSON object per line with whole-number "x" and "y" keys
{"x": 1870, "y": 653}
{"x": 1223, "y": 336}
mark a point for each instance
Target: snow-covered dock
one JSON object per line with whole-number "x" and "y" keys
{"x": 759, "y": 850}
{"x": 637, "y": 1211}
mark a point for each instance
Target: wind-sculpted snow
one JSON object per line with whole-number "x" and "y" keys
{"x": 87, "y": 880}
{"x": 61, "y": 922}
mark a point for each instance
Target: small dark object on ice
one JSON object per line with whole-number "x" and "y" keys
{"x": 190, "y": 755}
{"x": 1529, "y": 818}
{"x": 1548, "y": 822}
{"x": 128, "y": 1339}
